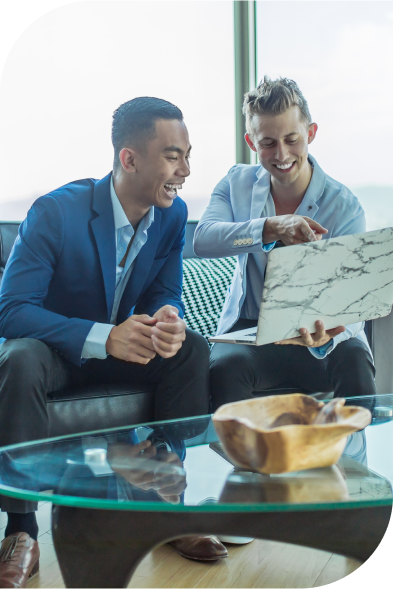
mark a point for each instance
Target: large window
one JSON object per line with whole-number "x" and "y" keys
{"x": 340, "y": 54}
{"x": 71, "y": 68}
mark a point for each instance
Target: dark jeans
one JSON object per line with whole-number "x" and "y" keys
{"x": 236, "y": 371}
{"x": 29, "y": 370}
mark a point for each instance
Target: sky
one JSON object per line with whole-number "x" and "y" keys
{"x": 343, "y": 65}
{"x": 66, "y": 66}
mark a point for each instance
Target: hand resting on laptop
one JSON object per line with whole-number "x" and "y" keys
{"x": 293, "y": 230}
{"x": 313, "y": 340}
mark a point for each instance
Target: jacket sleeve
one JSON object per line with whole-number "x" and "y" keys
{"x": 166, "y": 288}
{"x": 352, "y": 221}
{"x": 217, "y": 234}
{"x": 26, "y": 280}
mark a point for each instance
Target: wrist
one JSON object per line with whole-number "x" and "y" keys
{"x": 109, "y": 342}
{"x": 269, "y": 233}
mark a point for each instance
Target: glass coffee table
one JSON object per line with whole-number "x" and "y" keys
{"x": 118, "y": 493}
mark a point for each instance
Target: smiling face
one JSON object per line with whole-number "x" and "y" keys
{"x": 161, "y": 168}
{"x": 281, "y": 142}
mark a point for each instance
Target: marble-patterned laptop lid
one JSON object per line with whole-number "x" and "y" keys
{"x": 340, "y": 281}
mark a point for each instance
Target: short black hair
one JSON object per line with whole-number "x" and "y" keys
{"x": 134, "y": 121}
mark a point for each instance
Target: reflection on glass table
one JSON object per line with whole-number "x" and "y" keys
{"x": 156, "y": 462}
{"x": 170, "y": 479}
{"x": 349, "y": 480}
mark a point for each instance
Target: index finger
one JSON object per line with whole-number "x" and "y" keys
{"x": 320, "y": 328}
{"x": 176, "y": 327}
{"x": 314, "y": 225}
{"x": 145, "y": 319}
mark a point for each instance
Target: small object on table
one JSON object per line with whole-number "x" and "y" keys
{"x": 286, "y": 433}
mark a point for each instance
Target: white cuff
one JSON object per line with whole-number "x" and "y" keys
{"x": 95, "y": 343}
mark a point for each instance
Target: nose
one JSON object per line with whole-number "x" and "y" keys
{"x": 281, "y": 151}
{"x": 184, "y": 169}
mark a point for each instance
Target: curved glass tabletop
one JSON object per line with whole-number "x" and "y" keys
{"x": 180, "y": 465}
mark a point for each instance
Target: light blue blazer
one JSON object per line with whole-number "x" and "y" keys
{"x": 234, "y": 214}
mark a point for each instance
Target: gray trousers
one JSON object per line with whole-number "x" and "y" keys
{"x": 30, "y": 370}
{"x": 236, "y": 371}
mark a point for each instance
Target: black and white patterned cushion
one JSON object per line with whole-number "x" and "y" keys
{"x": 205, "y": 283}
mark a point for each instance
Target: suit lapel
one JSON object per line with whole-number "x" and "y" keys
{"x": 308, "y": 206}
{"x": 103, "y": 227}
{"x": 260, "y": 192}
{"x": 141, "y": 269}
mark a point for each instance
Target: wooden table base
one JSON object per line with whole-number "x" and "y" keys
{"x": 102, "y": 548}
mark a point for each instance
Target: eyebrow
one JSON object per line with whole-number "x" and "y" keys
{"x": 176, "y": 149}
{"x": 272, "y": 139}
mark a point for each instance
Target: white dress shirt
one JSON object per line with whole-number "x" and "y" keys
{"x": 94, "y": 346}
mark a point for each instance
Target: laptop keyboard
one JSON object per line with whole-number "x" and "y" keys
{"x": 249, "y": 334}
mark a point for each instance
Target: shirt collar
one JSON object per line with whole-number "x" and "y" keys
{"x": 119, "y": 215}
{"x": 118, "y": 212}
{"x": 317, "y": 183}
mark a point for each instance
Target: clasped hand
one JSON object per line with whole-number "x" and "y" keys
{"x": 146, "y": 469}
{"x": 141, "y": 337}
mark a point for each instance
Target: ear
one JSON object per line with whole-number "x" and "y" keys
{"x": 249, "y": 142}
{"x": 312, "y": 131}
{"x": 127, "y": 158}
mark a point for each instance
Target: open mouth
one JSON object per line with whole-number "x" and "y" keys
{"x": 285, "y": 168}
{"x": 171, "y": 189}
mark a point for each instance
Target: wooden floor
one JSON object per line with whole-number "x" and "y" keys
{"x": 259, "y": 564}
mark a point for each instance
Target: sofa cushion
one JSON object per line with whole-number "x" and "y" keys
{"x": 75, "y": 410}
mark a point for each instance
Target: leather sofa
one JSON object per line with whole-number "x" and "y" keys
{"x": 88, "y": 408}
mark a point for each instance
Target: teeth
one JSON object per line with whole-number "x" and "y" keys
{"x": 173, "y": 186}
{"x": 284, "y": 166}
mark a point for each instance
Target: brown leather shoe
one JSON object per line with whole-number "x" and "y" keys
{"x": 200, "y": 547}
{"x": 19, "y": 559}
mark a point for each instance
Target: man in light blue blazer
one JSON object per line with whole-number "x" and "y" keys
{"x": 286, "y": 200}
{"x": 92, "y": 294}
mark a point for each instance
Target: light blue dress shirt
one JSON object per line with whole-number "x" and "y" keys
{"x": 255, "y": 270}
{"x": 94, "y": 346}
{"x": 233, "y": 223}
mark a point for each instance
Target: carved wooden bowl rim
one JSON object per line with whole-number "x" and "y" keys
{"x": 287, "y": 446}
{"x": 361, "y": 414}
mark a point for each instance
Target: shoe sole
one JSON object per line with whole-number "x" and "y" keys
{"x": 207, "y": 559}
{"x": 35, "y": 569}
{"x": 235, "y": 540}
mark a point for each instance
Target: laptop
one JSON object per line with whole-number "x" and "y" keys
{"x": 342, "y": 280}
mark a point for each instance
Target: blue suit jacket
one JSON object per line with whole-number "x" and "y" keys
{"x": 60, "y": 276}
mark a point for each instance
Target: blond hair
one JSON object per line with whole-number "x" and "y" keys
{"x": 274, "y": 97}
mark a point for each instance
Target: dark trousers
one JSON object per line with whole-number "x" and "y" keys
{"x": 30, "y": 370}
{"x": 237, "y": 371}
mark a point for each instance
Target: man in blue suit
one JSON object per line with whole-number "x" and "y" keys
{"x": 92, "y": 293}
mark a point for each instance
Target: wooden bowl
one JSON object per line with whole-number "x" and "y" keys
{"x": 285, "y": 433}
